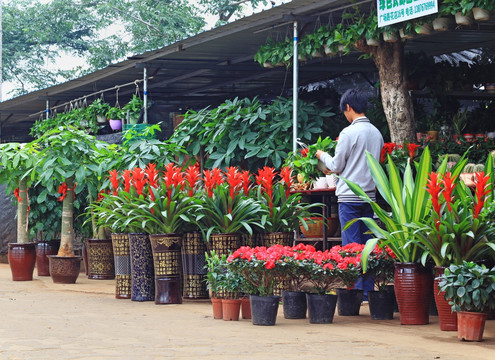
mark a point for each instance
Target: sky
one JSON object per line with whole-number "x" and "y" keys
{"x": 68, "y": 62}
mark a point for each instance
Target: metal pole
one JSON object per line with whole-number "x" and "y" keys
{"x": 145, "y": 92}
{"x": 47, "y": 111}
{"x": 295, "y": 81}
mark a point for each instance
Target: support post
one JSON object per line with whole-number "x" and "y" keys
{"x": 295, "y": 85}
{"x": 145, "y": 95}
{"x": 47, "y": 111}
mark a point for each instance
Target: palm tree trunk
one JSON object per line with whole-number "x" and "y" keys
{"x": 22, "y": 214}
{"x": 67, "y": 232}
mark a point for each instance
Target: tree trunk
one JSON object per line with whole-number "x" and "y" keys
{"x": 22, "y": 214}
{"x": 397, "y": 104}
{"x": 67, "y": 231}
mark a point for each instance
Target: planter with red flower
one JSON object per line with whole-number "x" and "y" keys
{"x": 224, "y": 210}
{"x": 16, "y": 164}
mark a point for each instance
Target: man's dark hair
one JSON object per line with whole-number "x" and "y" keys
{"x": 356, "y": 100}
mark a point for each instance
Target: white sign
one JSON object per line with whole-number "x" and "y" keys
{"x": 394, "y": 11}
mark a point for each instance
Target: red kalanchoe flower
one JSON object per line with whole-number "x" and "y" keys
{"x": 191, "y": 178}
{"x": 482, "y": 189}
{"x": 127, "y": 180}
{"x": 287, "y": 179}
{"x": 448, "y": 187}
{"x": 138, "y": 180}
{"x": 304, "y": 152}
{"x": 114, "y": 180}
{"x": 434, "y": 189}
{"x": 411, "y": 148}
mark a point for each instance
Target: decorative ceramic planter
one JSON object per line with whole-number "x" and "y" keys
{"x": 264, "y": 310}
{"x": 101, "y": 265}
{"x": 321, "y": 308}
{"x": 22, "y": 258}
{"x": 470, "y": 325}
{"x": 193, "y": 266}
{"x": 294, "y": 304}
{"x": 278, "y": 238}
{"x": 122, "y": 260}
{"x": 413, "y": 285}
{"x": 44, "y": 248}
{"x": 448, "y": 319}
{"x": 142, "y": 270}
{"x": 224, "y": 243}
{"x": 64, "y": 269}
{"x": 168, "y": 267}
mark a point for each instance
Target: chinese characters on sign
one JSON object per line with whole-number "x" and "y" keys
{"x": 394, "y": 11}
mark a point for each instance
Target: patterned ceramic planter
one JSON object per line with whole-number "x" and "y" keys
{"x": 193, "y": 266}
{"x": 122, "y": 260}
{"x": 142, "y": 270}
{"x": 100, "y": 259}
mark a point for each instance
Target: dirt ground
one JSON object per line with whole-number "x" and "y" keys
{"x": 42, "y": 320}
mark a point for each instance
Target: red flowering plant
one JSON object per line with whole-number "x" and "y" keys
{"x": 223, "y": 207}
{"x": 457, "y": 231}
{"x": 284, "y": 209}
{"x": 399, "y": 154}
{"x": 319, "y": 268}
{"x": 260, "y": 266}
{"x": 348, "y": 260}
{"x": 381, "y": 267}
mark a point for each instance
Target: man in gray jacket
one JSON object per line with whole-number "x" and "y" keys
{"x": 350, "y": 163}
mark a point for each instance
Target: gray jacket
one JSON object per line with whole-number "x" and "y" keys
{"x": 350, "y": 158}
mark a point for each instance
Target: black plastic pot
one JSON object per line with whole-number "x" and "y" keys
{"x": 381, "y": 305}
{"x": 264, "y": 309}
{"x": 349, "y": 301}
{"x": 294, "y": 304}
{"x": 391, "y": 289}
{"x": 321, "y": 308}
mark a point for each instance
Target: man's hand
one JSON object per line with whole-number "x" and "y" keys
{"x": 319, "y": 153}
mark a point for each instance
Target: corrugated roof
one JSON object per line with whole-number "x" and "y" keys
{"x": 218, "y": 64}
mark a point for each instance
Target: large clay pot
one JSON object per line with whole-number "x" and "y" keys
{"x": 470, "y": 325}
{"x": 264, "y": 309}
{"x": 122, "y": 260}
{"x": 22, "y": 258}
{"x": 321, "y": 308}
{"x": 44, "y": 248}
{"x": 64, "y": 269}
{"x": 193, "y": 266}
{"x": 413, "y": 285}
{"x": 142, "y": 271}
{"x": 101, "y": 264}
{"x": 448, "y": 319}
{"x": 168, "y": 267}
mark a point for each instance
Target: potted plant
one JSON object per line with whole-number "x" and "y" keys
{"x": 215, "y": 266}
{"x": 231, "y": 286}
{"x": 68, "y": 158}
{"x": 133, "y": 109}
{"x": 481, "y": 8}
{"x": 115, "y": 116}
{"x": 470, "y": 290}
{"x": 17, "y": 162}
{"x": 97, "y": 110}
{"x": 260, "y": 266}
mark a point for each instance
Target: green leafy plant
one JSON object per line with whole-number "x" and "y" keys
{"x": 469, "y": 287}
{"x": 215, "y": 266}
{"x": 133, "y": 107}
{"x": 97, "y": 108}
{"x": 115, "y": 113}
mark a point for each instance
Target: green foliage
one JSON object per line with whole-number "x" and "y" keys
{"x": 17, "y": 162}
{"x": 44, "y": 216}
{"x": 469, "y": 287}
{"x": 115, "y": 113}
{"x": 134, "y": 107}
{"x": 246, "y": 133}
{"x": 216, "y": 270}
{"x": 97, "y": 108}
{"x": 78, "y": 118}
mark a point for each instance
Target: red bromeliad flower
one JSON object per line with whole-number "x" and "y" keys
{"x": 448, "y": 187}
{"x": 411, "y": 148}
{"x": 152, "y": 175}
{"x": 192, "y": 177}
{"x": 234, "y": 180}
{"x": 127, "y": 180}
{"x": 287, "y": 179}
{"x": 434, "y": 189}
{"x": 114, "y": 180}
{"x": 246, "y": 181}
{"x": 211, "y": 179}
{"x": 482, "y": 189}
{"x": 265, "y": 179}
{"x": 387, "y": 149}
{"x": 138, "y": 180}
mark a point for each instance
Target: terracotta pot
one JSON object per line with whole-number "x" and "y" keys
{"x": 22, "y": 258}
{"x": 44, "y": 248}
{"x": 122, "y": 259}
{"x": 413, "y": 285}
{"x": 470, "y": 325}
{"x": 217, "y": 308}
{"x": 246, "y": 308}
{"x": 168, "y": 267}
{"x": 231, "y": 309}
{"x": 481, "y": 14}
{"x": 101, "y": 264}
{"x": 64, "y": 269}
{"x": 448, "y": 319}
{"x": 432, "y": 135}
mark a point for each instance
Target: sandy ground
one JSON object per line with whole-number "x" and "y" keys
{"x": 42, "y": 320}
